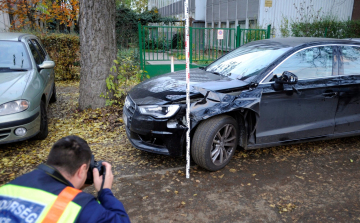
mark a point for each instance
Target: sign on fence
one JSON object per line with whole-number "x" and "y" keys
{"x": 220, "y": 34}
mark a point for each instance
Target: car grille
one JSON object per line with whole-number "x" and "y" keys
{"x": 130, "y": 107}
{"x": 4, "y": 133}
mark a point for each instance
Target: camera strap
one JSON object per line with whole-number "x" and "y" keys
{"x": 102, "y": 184}
{"x": 54, "y": 173}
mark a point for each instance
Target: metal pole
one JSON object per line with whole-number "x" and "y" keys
{"x": 187, "y": 55}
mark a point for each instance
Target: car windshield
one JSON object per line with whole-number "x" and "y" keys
{"x": 13, "y": 56}
{"x": 246, "y": 61}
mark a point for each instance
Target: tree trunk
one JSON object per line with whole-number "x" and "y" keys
{"x": 98, "y": 49}
{"x": 10, "y": 11}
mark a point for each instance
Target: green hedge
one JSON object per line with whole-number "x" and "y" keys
{"x": 330, "y": 28}
{"x": 64, "y": 49}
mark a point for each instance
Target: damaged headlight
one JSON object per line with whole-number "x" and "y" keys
{"x": 159, "y": 111}
{"x": 14, "y": 107}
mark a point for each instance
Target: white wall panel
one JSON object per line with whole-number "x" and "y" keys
{"x": 341, "y": 9}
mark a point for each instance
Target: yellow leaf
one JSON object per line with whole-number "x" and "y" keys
{"x": 232, "y": 170}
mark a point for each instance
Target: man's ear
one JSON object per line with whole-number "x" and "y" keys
{"x": 82, "y": 171}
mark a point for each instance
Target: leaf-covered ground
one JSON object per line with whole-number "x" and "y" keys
{"x": 309, "y": 182}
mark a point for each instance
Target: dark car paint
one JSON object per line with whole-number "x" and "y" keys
{"x": 171, "y": 87}
{"x": 312, "y": 119}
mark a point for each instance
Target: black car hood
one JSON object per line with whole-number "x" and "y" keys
{"x": 171, "y": 87}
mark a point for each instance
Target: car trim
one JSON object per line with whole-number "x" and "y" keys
{"x": 21, "y": 139}
{"x": 19, "y": 122}
{"x": 261, "y": 82}
{"x": 21, "y": 36}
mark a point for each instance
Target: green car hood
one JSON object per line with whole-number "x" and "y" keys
{"x": 12, "y": 85}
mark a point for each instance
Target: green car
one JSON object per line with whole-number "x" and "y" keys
{"x": 26, "y": 87}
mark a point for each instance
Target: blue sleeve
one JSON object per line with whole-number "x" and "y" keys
{"x": 110, "y": 210}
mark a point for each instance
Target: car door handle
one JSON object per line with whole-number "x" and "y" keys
{"x": 330, "y": 94}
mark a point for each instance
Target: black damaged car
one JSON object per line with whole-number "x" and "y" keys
{"x": 265, "y": 93}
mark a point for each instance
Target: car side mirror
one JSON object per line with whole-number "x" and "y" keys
{"x": 286, "y": 78}
{"x": 47, "y": 64}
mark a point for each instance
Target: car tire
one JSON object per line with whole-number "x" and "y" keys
{"x": 53, "y": 96}
{"x": 214, "y": 142}
{"x": 43, "y": 123}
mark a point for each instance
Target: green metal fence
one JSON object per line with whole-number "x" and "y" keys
{"x": 159, "y": 43}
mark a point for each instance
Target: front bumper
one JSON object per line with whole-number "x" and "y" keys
{"x": 30, "y": 120}
{"x": 153, "y": 135}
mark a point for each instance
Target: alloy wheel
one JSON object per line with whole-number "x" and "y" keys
{"x": 224, "y": 143}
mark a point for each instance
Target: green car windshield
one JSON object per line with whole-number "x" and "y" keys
{"x": 246, "y": 61}
{"x": 13, "y": 56}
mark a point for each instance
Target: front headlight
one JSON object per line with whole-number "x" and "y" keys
{"x": 14, "y": 107}
{"x": 159, "y": 111}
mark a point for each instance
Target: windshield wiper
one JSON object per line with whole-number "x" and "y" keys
{"x": 12, "y": 69}
{"x": 217, "y": 73}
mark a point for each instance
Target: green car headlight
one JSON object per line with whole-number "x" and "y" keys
{"x": 159, "y": 111}
{"x": 14, "y": 107}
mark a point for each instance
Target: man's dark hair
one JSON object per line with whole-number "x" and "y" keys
{"x": 69, "y": 153}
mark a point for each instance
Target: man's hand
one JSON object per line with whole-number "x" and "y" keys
{"x": 109, "y": 177}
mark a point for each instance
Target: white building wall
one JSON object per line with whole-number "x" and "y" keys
{"x": 342, "y": 9}
{"x": 200, "y": 10}
{"x": 4, "y": 22}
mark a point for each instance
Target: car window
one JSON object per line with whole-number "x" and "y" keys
{"x": 247, "y": 61}
{"x": 309, "y": 63}
{"x": 14, "y": 55}
{"x": 350, "y": 60}
{"x": 37, "y": 57}
{"x": 39, "y": 47}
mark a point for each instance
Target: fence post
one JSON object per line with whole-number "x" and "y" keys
{"x": 268, "y": 32}
{"x": 238, "y": 35}
{"x": 190, "y": 44}
{"x": 140, "y": 47}
{"x": 325, "y": 32}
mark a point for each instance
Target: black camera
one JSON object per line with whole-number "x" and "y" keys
{"x": 94, "y": 164}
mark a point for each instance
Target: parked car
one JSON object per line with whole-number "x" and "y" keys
{"x": 26, "y": 87}
{"x": 266, "y": 93}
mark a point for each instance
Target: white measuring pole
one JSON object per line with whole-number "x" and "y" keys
{"x": 187, "y": 42}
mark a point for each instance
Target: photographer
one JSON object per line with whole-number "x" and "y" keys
{"x": 51, "y": 193}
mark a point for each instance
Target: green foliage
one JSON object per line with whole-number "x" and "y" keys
{"x": 326, "y": 27}
{"x": 253, "y": 35}
{"x": 178, "y": 40}
{"x": 157, "y": 44}
{"x": 125, "y": 73}
{"x": 64, "y": 49}
{"x": 312, "y": 23}
{"x": 284, "y": 27}
{"x": 127, "y": 20}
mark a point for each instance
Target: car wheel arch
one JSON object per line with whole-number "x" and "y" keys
{"x": 43, "y": 98}
{"x": 246, "y": 119}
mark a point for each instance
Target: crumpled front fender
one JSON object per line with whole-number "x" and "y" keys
{"x": 215, "y": 103}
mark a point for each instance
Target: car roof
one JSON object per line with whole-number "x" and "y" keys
{"x": 9, "y": 36}
{"x": 299, "y": 41}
